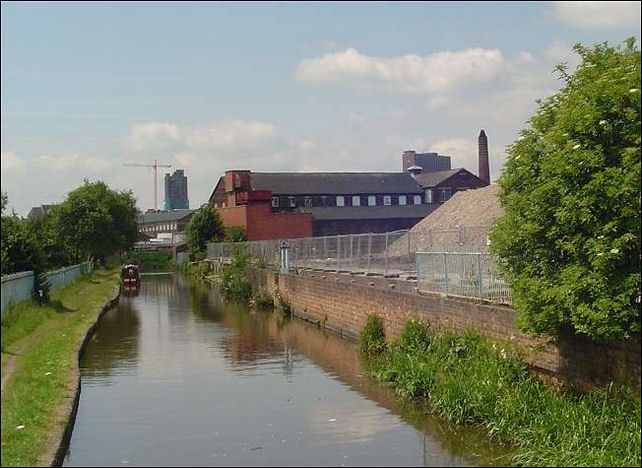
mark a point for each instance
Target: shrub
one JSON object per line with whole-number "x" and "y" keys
{"x": 372, "y": 339}
{"x": 234, "y": 283}
{"x": 415, "y": 336}
{"x": 569, "y": 244}
{"x": 261, "y": 300}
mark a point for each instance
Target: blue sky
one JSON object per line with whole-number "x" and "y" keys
{"x": 271, "y": 86}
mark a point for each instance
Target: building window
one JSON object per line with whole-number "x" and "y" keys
{"x": 402, "y": 199}
{"x": 223, "y": 205}
{"x": 443, "y": 194}
{"x": 324, "y": 200}
{"x": 307, "y": 201}
{"x": 429, "y": 196}
{"x": 291, "y": 202}
{"x": 356, "y": 200}
{"x": 372, "y": 200}
{"x": 275, "y": 202}
{"x": 387, "y": 200}
{"x": 215, "y": 205}
{"x": 417, "y": 199}
{"x": 341, "y": 200}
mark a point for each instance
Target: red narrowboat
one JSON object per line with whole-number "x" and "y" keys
{"x": 130, "y": 276}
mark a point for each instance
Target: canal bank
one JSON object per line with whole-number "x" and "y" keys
{"x": 42, "y": 345}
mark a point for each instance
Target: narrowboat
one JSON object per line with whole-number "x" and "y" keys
{"x": 130, "y": 276}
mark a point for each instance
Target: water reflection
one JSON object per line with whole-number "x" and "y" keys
{"x": 176, "y": 376}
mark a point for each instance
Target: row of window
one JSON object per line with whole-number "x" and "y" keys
{"x": 159, "y": 227}
{"x": 340, "y": 200}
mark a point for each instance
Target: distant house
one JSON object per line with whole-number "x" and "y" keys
{"x": 153, "y": 223}
{"x": 438, "y": 187}
{"x": 39, "y": 211}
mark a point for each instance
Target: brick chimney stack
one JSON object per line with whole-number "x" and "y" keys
{"x": 483, "y": 171}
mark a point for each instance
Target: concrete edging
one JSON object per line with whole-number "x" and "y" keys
{"x": 57, "y": 448}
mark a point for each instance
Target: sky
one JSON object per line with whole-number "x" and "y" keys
{"x": 208, "y": 87}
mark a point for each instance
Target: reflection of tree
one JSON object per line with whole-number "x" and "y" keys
{"x": 115, "y": 342}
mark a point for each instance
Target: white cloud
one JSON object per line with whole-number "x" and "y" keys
{"x": 73, "y": 162}
{"x": 434, "y": 73}
{"x": 11, "y": 163}
{"x": 598, "y": 14}
{"x": 153, "y": 135}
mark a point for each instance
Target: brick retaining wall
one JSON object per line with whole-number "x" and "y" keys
{"x": 342, "y": 302}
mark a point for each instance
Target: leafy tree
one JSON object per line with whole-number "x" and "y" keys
{"x": 569, "y": 244}
{"x": 235, "y": 234}
{"x": 97, "y": 221}
{"x": 205, "y": 226}
{"x": 44, "y": 229}
{"x": 20, "y": 249}
{"x": 3, "y": 202}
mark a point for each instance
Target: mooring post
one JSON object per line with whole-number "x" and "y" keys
{"x": 285, "y": 260}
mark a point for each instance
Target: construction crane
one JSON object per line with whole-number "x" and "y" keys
{"x": 155, "y": 166}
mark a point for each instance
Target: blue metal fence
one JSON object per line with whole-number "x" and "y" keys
{"x": 19, "y": 286}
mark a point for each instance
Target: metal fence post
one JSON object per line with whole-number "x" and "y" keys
{"x": 351, "y": 239}
{"x": 369, "y": 251}
{"x": 445, "y": 273}
{"x": 480, "y": 287}
{"x": 385, "y": 258}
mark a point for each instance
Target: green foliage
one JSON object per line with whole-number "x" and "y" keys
{"x": 234, "y": 283}
{"x": 372, "y": 339}
{"x": 20, "y": 248}
{"x": 569, "y": 244}
{"x": 4, "y": 200}
{"x": 97, "y": 221}
{"x": 41, "y": 288}
{"x": 470, "y": 380}
{"x": 204, "y": 226}
{"x": 235, "y": 234}
{"x": 282, "y": 303}
{"x": 415, "y": 336}
{"x": 261, "y": 300}
{"x": 150, "y": 261}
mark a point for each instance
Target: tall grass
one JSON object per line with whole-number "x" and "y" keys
{"x": 470, "y": 380}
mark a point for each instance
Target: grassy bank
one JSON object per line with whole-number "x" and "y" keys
{"x": 39, "y": 344}
{"x": 470, "y": 380}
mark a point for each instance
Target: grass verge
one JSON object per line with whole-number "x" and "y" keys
{"x": 470, "y": 380}
{"x": 44, "y": 340}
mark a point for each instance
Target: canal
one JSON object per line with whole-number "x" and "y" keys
{"x": 174, "y": 376}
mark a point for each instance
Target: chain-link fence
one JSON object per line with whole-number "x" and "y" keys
{"x": 452, "y": 261}
{"x": 461, "y": 274}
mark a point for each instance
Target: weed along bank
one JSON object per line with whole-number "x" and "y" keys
{"x": 463, "y": 356}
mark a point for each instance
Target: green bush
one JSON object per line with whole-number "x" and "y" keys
{"x": 415, "y": 336}
{"x": 569, "y": 243}
{"x": 234, "y": 283}
{"x": 261, "y": 300}
{"x": 372, "y": 339}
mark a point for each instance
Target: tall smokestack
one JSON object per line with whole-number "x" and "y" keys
{"x": 483, "y": 171}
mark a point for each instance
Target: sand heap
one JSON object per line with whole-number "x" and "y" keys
{"x": 460, "y": 224}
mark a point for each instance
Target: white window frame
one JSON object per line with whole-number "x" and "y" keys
{"x": 275, "y": 202}
{"x": 356, "y": 200}
{"x": 387, "y": 200}
{"x": 341, "y": 200}
{"x": 291, "y": 202}
{"x": 372, "y": 200}
{"x": 429, "y": 196}
{"x": 417, "y": 199}
{"x": 402, "y": 200}
{"x": 307, "y": 201}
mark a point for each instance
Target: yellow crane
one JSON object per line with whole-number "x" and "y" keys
{"x": 155, "y": 166}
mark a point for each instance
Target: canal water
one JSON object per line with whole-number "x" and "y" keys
{"x": 174, "y": 376}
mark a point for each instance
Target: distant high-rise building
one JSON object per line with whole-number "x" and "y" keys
{"x": 176, "y": 191}
{"x": 429, "y": 162}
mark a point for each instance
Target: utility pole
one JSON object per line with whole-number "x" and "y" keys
{"x": 155, "y": 166}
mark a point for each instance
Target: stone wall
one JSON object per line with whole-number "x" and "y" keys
{"x": 342, "y": 302}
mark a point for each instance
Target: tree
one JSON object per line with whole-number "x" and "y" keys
{"x": 569, "y": 244}
{"x": 20, "y": 250}
{"x": 97, "y": 221}
{"x": 205, "y": 226}
{"x": 235, "y": 234}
